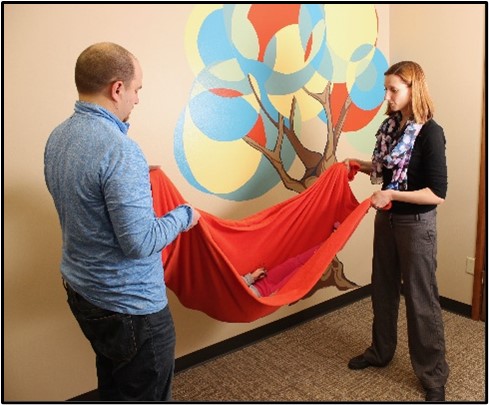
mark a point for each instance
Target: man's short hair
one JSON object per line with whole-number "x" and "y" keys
{"x": 102, "y": 64}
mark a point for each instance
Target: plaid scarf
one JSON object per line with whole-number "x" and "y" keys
{"x": 393, "y": 150}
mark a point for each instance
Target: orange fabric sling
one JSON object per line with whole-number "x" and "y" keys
{"x": 203, "y": 267}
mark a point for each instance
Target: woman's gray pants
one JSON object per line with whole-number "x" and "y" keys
{"x": 405, "y": 253}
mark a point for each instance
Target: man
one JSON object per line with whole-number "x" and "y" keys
{"x": 111, "y": 259}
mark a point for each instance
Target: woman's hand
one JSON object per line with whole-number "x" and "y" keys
{"x": 347, "y": 162}
{"x": 360, "y": 165}
{"x": 381, "y": 200}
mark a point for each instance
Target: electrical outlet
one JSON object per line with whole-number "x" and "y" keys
{"x": 469, "y": 265}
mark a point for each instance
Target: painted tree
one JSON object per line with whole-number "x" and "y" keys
{"x": 264, "y": 69}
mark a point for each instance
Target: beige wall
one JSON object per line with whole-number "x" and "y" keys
{"x": 46, "y": 357}
{"x": 449, "y": 43}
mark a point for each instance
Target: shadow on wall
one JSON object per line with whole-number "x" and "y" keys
{"x": 33, "y": 286}
{"x": 35, "y": 309}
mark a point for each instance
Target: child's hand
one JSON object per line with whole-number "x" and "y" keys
{"x": 259, "y": 273}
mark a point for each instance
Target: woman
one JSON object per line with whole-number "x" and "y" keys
{"x": 409, "y": 161}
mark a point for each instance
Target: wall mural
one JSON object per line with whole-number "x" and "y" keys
{"x": 261, "y": 72}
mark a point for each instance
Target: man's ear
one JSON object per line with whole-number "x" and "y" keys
{"x": 116, "y": 88}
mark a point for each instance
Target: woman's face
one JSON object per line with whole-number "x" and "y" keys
{"x": 398, "y": 95}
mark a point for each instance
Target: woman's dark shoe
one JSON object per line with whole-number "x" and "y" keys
{"x": 358, "y": 363}
{"x": 435, "y": 394}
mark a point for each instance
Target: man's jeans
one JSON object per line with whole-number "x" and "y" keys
{"x": 135, "y": 354}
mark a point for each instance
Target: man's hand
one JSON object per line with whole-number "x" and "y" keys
{"x": 195, "y": 218}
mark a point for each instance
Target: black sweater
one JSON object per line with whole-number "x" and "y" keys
{"x": 427, "y": 168}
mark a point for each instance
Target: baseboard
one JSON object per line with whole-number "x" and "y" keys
{"x": 456, "y": 307}
{"x": 252, "y": 336}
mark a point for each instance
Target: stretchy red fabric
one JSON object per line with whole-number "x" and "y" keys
{"x": 203, "y": 267}
{"x": 277, "y": 276}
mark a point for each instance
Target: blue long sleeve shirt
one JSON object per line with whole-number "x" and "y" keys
{"x": 112, "y": 240}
